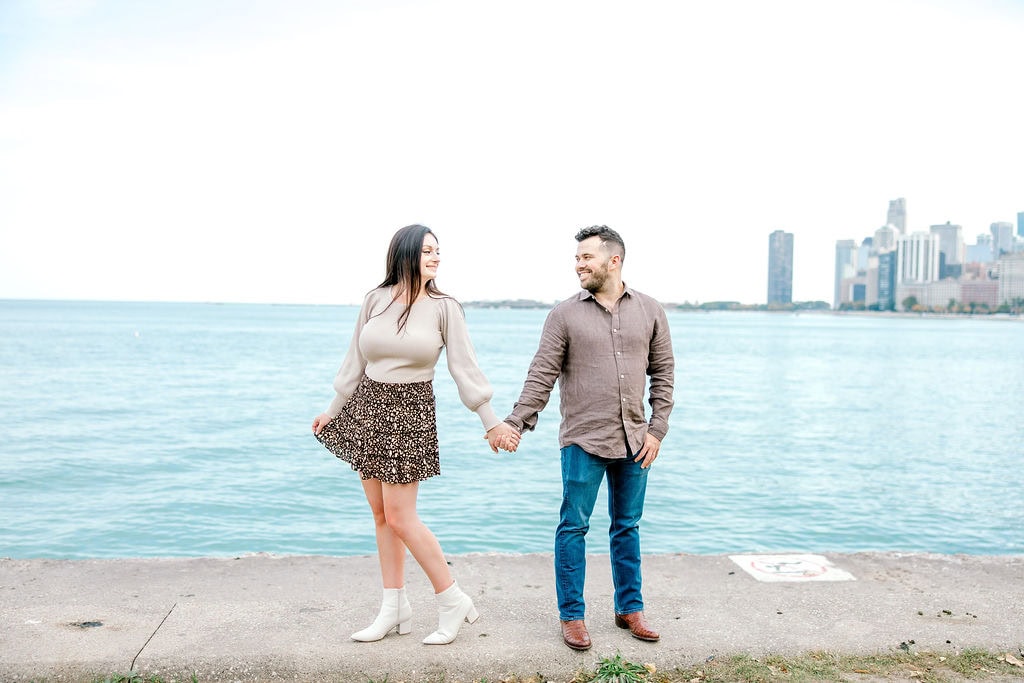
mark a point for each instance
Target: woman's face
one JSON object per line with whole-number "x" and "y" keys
{"x": 430, "y": 258}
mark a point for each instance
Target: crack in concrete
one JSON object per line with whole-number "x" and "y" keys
{"x": 131, "y": 667}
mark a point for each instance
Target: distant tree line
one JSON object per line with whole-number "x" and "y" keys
{"x": 737, "y": 306}
{"x": 685, "y": 306}
{"x": 911, "y": 304}
{"x": 507, "y": 303}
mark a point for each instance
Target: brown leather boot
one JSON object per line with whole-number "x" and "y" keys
{"x": 575, "y": 635}
{"x": 637, "y": 625}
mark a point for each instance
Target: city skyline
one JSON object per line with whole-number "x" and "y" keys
{"x": 896, "y": 270}
{"x": 922, "y": 263}
{"x": 193, "y": 151}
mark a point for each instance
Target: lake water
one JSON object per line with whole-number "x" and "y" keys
{"x": 158, "y": 430}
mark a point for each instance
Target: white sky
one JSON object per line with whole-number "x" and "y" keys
{"x": 248, "y": 150}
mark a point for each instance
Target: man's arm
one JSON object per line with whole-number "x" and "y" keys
{"x": 542, "y": 375}
{"x": 661, "y": 367}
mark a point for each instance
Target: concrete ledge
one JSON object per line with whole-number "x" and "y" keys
{"x": 264, "y": 617}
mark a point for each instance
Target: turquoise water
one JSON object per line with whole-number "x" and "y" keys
{"x": 142, "y": 430}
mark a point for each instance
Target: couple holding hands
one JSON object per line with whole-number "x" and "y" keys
{"x": 601, "y": 345}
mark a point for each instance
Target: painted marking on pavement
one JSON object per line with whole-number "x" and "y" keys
{"x": 791, "y": 568}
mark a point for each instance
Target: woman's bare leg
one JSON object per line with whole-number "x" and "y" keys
{"x": 399, "y": 509}
{"x": 390, "y": 548}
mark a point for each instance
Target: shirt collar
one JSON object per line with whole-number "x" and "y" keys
{"x": 585, "y": 293}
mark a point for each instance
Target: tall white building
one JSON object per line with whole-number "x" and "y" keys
{"x": 917, "y": 258}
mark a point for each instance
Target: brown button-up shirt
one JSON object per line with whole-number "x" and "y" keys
{"x": 601, "y": 360}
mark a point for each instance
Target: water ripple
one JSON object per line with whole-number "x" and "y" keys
{"x": 183, "y": 429}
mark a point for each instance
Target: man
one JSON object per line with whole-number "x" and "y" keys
{"x": 600, "y": 345}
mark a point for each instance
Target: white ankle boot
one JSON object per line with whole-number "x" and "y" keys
{"x": 395, "y": 610}
{"x": 453, "y": 606}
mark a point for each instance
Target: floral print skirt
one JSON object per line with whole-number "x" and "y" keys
{"x": 387, "y": 431}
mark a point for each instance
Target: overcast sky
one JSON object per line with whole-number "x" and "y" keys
{"x": 248, "y": 150}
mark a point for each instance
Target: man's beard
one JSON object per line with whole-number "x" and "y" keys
{"x": 596, "y": 280}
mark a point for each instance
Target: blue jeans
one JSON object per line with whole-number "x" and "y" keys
{"x": 581, "y": 479}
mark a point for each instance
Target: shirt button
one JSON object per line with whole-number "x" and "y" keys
{"x": 623, "y": 400}
{"x": 618, "y": 353}
{"x": 622, "y": 377}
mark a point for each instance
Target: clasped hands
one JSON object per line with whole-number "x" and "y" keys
{"x": 503, "y": 436}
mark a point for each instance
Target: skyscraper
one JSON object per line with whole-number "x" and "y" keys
{"x": 1002, "y": 239}
{"x": 780, "y": 267}
{"x": 866, "y": 249}
{"x": 1020, "y": 224}
{"x": 951, "y": 245}
{"x": 1011, "y": 278}
{"x": 897, "y": 217}
{"x": 917, "y": 259}
{"x": 885, "y": 239}
{"x": 846, "y": 266}
{"x": 887, "y": 281}
{"x": 981, "y": 252}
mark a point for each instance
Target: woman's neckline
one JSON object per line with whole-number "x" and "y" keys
{"x": 399, "y": 299}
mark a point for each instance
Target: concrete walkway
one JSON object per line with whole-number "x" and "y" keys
{"x": 262, "y": 617}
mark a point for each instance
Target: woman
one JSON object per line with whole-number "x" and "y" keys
{"x": 382, "y": 422}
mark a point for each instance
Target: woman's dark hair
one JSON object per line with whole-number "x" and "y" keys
{"x": 403, "y": 266}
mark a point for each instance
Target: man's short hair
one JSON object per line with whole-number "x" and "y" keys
{"x": 607, "y": 235}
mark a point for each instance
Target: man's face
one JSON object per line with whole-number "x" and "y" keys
{"x": 592, "y": 264}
